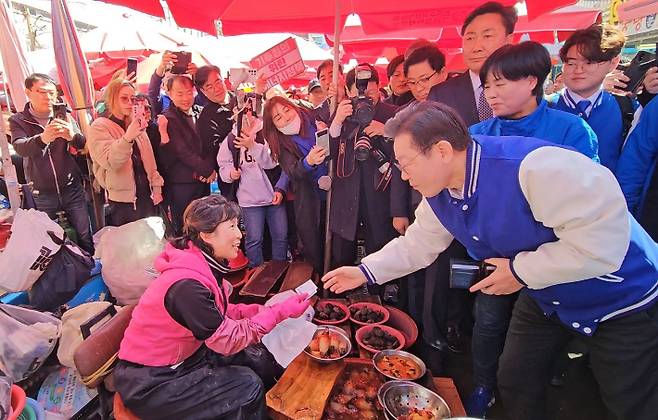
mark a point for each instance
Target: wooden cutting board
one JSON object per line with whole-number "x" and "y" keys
{"x": 303, "y": 390}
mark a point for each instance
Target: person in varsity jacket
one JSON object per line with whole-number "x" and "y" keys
{"x": 556, "y": 226}
{"x": 589, "y": 55}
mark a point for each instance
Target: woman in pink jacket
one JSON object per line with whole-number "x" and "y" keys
{"x": 187, "y": 352}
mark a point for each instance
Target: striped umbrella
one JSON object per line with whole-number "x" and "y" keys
{"x": 74, "y": 77}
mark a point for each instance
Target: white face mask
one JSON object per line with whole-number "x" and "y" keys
{"x": 292, "y": 127}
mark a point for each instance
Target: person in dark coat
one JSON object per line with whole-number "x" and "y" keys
{"x": 44, "y": 144}
{"x": 361, "y": 191}
{"x": 188, "y": 161}
{"x": 215, "y": 120}
{"x": 397, "y": 82}
{"x": 290, "y": 132}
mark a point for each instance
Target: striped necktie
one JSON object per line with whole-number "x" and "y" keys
{"x": 484, "y": 110}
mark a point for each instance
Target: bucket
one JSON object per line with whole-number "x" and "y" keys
{"x": 17, "y": 402}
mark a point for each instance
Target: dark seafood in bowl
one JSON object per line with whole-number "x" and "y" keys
{"x": 380, "y": 339}
{"x": 329, "y": 312}
{"x": 366, "y": 315}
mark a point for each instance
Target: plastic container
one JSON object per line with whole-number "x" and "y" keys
{"x": 404, "y": 323}
{"x": 17, "y": 402}
{"x": 39, "y": 412}
{"x": 390, "y": 330}
{"x": 322, "y": 303}
{"x": 372, "y": 306}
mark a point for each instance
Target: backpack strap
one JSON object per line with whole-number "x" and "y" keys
{"x": 627, "y": 113}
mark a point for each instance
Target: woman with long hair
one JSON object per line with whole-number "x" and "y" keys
{"x": 290, "y": 133}
{"x": 124, "y": 162}
{"x": 188, "y": 352}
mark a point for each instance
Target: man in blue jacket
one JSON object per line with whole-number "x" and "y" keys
{"x": 556, "y": 226}
{"x": 636, "y": 170}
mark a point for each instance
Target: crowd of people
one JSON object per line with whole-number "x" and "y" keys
{"x": 437, "y": 167}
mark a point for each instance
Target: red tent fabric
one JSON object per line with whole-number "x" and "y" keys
{"x": 242, "y": 16}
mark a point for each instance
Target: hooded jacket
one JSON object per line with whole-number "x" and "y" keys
{"x": 154, "y": 338}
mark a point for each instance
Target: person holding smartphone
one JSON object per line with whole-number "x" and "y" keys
{"x": 43, "y": 142}
{"x": 124, "y": 162}
{"x": 290, "y": 133}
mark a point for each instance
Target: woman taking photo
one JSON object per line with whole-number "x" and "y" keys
{"x": 187, "y": 352}
{"x": 290, "y": 133}
{"x": 123, "y": 158}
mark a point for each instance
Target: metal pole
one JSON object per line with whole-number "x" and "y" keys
{"x": 333, "y": 104}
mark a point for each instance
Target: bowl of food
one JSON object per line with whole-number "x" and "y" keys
{"x": 374, "y": 338}
{"x": 329, "y": 343}
{"x": 410, "y": 401}
{"x": 385, "y": 386}
{"x": 398, "y": 364}
{"x": 330, "y": 312}
{"x": 366, "y": 313}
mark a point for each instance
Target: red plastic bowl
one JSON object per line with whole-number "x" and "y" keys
{"x": 402, "y": 322}
{"x": 372, "y": 306}
{"x": 392, "y": 331}
{"x": 322, "y": 303}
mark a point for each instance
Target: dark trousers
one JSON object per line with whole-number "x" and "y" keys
{"x": 179, "y": 196}
{"x": 71, "y": 200}
{"x": 623, "y": 356}
{"x": 205, "y": 386}
{"x": 122, "y": 213}
{"x": 492, "y": 317}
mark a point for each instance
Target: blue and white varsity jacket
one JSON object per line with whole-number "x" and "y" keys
{"x": 559, "y": 218}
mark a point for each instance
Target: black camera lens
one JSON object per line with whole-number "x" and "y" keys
{"x": 362, "y": 148}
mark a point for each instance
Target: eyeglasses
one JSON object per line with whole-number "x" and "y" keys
{"x": 422, "y": 82}
{"x": 47, "y": 92}
{"x": 585, "y": 65}
{"x": 403, "y": 168}
{"x": 213, "y": 85}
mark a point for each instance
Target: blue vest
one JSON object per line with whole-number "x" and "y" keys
{"x": 495, "y": 220}
{"x": 606, "y": 121}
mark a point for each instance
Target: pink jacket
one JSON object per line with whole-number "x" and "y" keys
{"x": 153, "y": 338}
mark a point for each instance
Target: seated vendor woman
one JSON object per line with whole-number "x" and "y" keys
{"x": 187, "y": 352}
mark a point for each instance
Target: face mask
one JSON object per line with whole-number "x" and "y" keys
{"x": 292, "y": 127}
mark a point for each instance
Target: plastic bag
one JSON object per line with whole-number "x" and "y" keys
{"x": 5, "y": 396}
{"x": 28, "y": 338}
{"x": 29, "y": 250}
{"x": 63, "y": 392}
{"x": 127, "y": 254}
{"x": 71, "y": 333}
{"x": 289, "y": 338}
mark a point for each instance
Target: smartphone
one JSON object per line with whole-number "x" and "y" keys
{"x": 131, "y": 66}
{"x": 637, "y": 69}
{"x": 465, "y": 273}
{"x": 183, "y": 58}
{"x": 59, "y": 111}
{"x": 139, "y": 109}
{"x": 322, "y": 139}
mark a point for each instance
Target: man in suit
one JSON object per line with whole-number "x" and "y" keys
{"x": 486, "y": 29}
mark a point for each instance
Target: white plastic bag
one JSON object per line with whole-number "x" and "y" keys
{"x": 289, "y": 338}
{"x": 29, "y": 249}
{"x": 127, "y": 254}
{"x": 28, "y": 338}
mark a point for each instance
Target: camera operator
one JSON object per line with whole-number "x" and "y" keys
{"x": 363, "y": 169}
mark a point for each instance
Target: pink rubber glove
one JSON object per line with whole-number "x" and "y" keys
{"x": 293, "y": 307}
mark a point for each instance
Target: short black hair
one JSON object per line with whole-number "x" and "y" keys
{"x": 327, "y": 63}
{"x": 393, "y": 64}
{"x": 507, "y": 14}
{"x": 514, "y": 62}
{"x": 350, "y": 78}
{"x": 183, "y": 78}
{"x": 598, "y": 43}
{"x": 430, "y": 53}
{"x": 35, "y": 77}
{"x": 427, "y": 123}
{"x": 201, "y": 76}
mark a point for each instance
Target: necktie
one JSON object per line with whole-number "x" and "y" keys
{"x": 581, "y": 108}
{"x": 484, "y": 110}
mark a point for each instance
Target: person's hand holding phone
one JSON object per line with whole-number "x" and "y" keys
{"x": 133, "y": 130}
{"x": 651, "y": 81}
{"x": 192, "y": 69}
{"x": 52, "y": 131}
{"x": 168, "y": 60}
{"x": 616, "y": 82}
{"x": 316, "y": 156}
{"x": 245, "y": 140}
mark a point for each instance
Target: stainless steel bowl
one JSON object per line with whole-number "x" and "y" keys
{"x": 385, "y": 386}
{"x": 381, "y": 354}
{"x": 343, "y": 336}
{"x": 400, "y": 399}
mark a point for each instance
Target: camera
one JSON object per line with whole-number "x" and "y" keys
{"x": 363, "y": 109}
{"x": 362, "y": 148}
{"x": 465, "y": 273}
{"x": 59, "y": 111}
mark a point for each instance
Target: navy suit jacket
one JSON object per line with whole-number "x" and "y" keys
{"x": 458, "y": 93}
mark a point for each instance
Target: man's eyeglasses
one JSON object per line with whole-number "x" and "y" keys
{"x": 213, "y": 85}
{"x": 422, "y": 82}
{"x": 403, "y": 168}
{"x": 49, "y": 93}
{"x": 585, "y": 65}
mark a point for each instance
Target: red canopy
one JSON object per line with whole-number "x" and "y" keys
{"x": 242, "y": 16}
{"x": 635, "y": 9}
{"x": 357, "y": 44}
